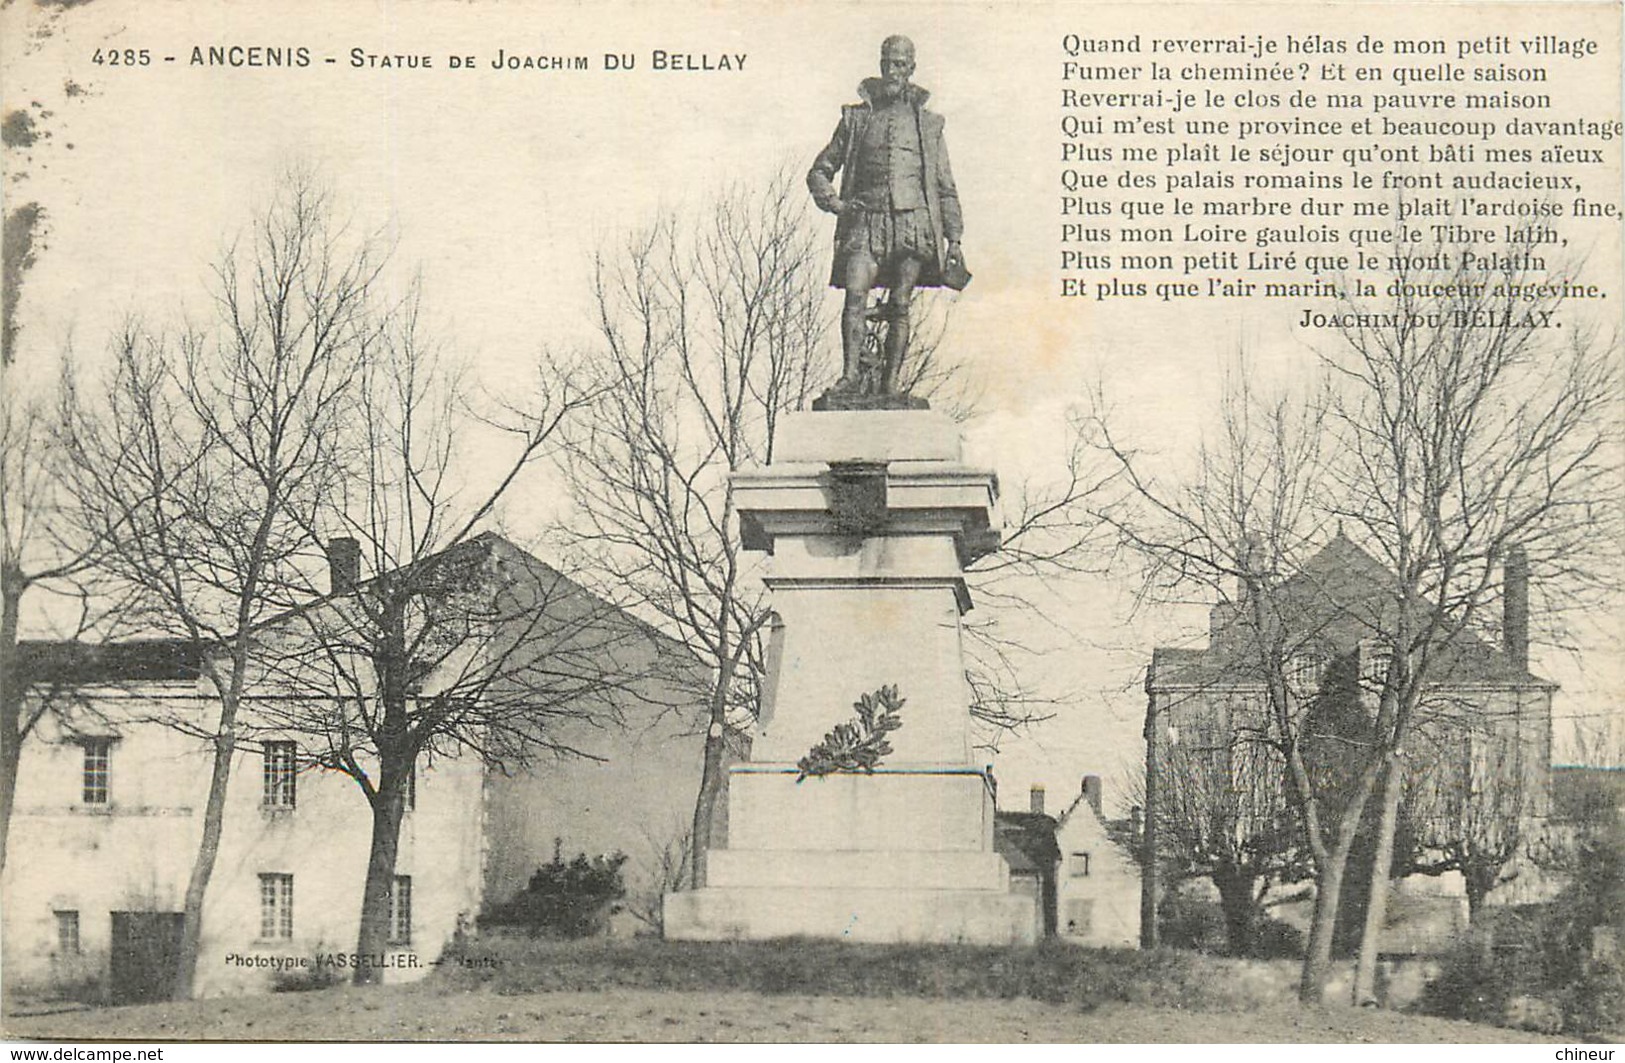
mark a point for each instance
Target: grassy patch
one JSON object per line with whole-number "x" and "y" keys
{"x": 1053, "y": 973}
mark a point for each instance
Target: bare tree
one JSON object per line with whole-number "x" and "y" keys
{"x": 1223, "y": 815}
{"x": 1472, "y": 426}
{"x": 1228, "y": 531}
{"x": 1470, "y": 811}
{"x": 200, "y": 464}
{"x": 1453, "y": 435}
{"x": 457, "y": 643}
{"x": 671, "y": 857}
{"x": 1050, "y": 536}
{"x": 38, "y": 550}
{"x": 711, "y": 333}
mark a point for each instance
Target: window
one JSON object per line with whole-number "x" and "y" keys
{"x": 411, "y": 801}
{"x": 98, "y": 754}
{"x": 67, "y": 933}
{"x": 276, "y": 906}
{"x": 1080, "y": 865}
{"x": 400, "y": 911}
{"x": 281, "y": 770}
{"x": 1374, "y": 661}
{"x": 1303, "y": 672}
{"x": 1205, "y": 730}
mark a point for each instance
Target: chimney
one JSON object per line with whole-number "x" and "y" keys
{"x": 1038, "y": 800}
{"x": 1092, "y": 792}
{"x": 1515, "y": 608}
{"x": 343, "y": 565}
{"x": 1252, "y": 556}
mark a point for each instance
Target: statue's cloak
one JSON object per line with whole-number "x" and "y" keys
{"x": 941, "y": 197}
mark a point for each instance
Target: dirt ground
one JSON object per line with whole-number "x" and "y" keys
{"x": 426, "y": 1013}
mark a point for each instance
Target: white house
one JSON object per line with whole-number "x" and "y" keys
{"x": 107, "y": 824}
{"x": 1097, "y": 882}
{"x": 109, "y": 804}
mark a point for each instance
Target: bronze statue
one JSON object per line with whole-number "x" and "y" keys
{"x": 898, "y": 224}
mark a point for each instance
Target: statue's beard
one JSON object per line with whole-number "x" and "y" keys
{"x": 892, "y": 88}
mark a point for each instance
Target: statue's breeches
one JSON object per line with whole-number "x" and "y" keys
{"x": 887, "y": 236}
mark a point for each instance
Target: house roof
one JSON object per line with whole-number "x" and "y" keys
{"x": 43, "y": 662}
{"x": 1026, "y": 840}
{"x": 64, "y": 662}
{"x": 1119, "y": 831}
{"x": 475, "y": 548}
{"x": 1336, "y": 600}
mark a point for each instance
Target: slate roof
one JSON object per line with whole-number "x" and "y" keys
{"x": 1339, "y": 596}
{"x": 1026, "y": 840}
{"x": 43, "y": 662}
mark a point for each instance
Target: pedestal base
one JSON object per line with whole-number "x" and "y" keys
{"x": 832, "y": 400}
{"x": 850, "y": 914}
{"x": 890, "y": 857}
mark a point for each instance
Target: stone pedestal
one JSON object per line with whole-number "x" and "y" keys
{"x": 870, "y": 517}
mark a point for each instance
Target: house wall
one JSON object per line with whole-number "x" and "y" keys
{"x": 637, "y": 799}
{"x": 1471, "y": 739}
{"x": 1458, "y": 731}
{"x": 66, "y": 855}
{"x": 136, "y": 852}
{"x": 1098, "y": 898}
{"x": 627, "y": 753}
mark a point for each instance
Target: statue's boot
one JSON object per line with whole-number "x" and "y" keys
{"x": 854, "y": 329}
{"x": 896, "y": 348}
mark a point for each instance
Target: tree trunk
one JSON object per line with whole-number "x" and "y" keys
{"x": 12, "y": 692}
{"x": 1150, "y": 874}
{"x": 10, "y": 752}
{"x": 1240, "y": 912}
{"x": 1317, "y": 958}
{"x": 214, "y": 810}
{"x": 1376, "y": 911}
{"x": 373, "y": 940}
{"x": 706, "y": 804}
{"x": 1479, "y": 884}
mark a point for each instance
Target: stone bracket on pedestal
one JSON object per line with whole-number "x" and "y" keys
{"x": 842, "y": 504}
{"x": 857, "y": 496}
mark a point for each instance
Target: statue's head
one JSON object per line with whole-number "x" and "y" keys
{"x": 896, "y": 63}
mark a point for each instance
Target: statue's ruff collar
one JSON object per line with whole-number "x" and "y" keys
{"x": 869, "y": 88}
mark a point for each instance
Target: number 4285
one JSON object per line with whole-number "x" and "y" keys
{"x": 122, "y": 57}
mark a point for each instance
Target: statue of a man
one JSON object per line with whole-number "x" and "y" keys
{"x": 898, "y": 214}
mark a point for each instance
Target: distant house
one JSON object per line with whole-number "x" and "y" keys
{"x": 1026, "y": 840}
{"x": 111, "y": 790}
{"x": 1484, "y": 742}
{"x": 1078, "y": 869}
{"x": 1098, "y": 880}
